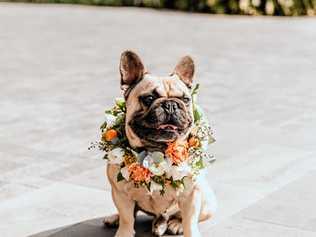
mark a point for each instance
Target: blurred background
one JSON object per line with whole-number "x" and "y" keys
{"x": 59, "y": 72}
{"x": 245, "y": 7}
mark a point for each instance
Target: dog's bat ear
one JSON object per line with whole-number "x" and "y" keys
{"x": 131, "y": 69}
{"x": 185, "y": 70}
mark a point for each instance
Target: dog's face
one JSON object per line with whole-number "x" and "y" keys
{"x": 159, "y": 109}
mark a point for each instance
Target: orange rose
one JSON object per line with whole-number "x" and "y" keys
{"x": 194, "y": 142}
{"x": 109, "y": 135}
{"x": 139, "y": 173}
{"x": 177, "y": 152}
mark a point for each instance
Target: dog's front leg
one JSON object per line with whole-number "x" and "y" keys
{"x": 190, "y": 206}
{"x": 125, "y": 207}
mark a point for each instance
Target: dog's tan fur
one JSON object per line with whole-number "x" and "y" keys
{"x": 176, "y": 211}
{"x": 169, "y": 86}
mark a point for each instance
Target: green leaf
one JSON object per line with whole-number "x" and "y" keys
{"x": 120, "y": 102}
{"x": 103, "y": 126}
{"x": 195, "y": 89}
{"x": 108, "y": 111}
{"x": 120, "y": 119}
{"x": 199, "y": 164}
{"x": 158, "y": 179}
{"x": 120, "y": 177}
{"x": 197, "y": 113}
{"x": 174, "y": 184}
{"x": 148, "y": 186}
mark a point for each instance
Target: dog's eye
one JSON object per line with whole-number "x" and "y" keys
{"x": 148, "y": 100}
{"x": 186, "y": 100}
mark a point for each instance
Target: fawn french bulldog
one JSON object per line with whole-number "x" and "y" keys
{"x": 159, "y": 110}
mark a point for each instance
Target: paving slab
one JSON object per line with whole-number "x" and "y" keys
{"x": 289, "y": 211}
{"x": 248, "y": 228}
{"x": 292, "y": 206}
{"x": 57, "y": 205}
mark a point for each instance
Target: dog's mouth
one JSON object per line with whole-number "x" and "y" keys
{"x": 162, "y": 129}
{"x": 168, "y": 127}
{"x": 158, "y": 126}
{"x": 160, "y": 133}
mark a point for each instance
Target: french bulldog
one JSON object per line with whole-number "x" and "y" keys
{"x": 159, "y": 110}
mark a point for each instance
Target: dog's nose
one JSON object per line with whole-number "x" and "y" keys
{"x": 170, "y": 106}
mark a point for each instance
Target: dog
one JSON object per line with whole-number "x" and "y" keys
{"x": 159, "y": 110}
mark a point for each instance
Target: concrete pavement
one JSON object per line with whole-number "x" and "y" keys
{"x": 59, "y": 71}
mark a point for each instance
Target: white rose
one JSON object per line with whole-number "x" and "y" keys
{"x": 180, "y": 171}
{"x": 110, "y": 120}
{"x": 156, "y": 163}
{"x": 116, "y": 156}
{"x": 155, "y": 187}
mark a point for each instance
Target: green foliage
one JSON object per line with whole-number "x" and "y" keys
{"x": 119, "y": 177}
{"x": 247, "y": 7}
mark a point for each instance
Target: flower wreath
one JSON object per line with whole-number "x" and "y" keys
{"x": 155, "y": 170}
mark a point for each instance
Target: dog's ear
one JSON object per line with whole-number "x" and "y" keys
{"x": 185, "y": 70}
{"x": 131, "y": 69}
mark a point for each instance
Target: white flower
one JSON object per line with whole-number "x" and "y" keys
{"x": 116, "y": 156}
{"x": 179, "y": 171}
{"x": 206, "y": 159}
{"x": 204, "y": 145}
{"x": 156, "y": 163}
{"x": 125, "y": 173}
{"x": 155, "y": 187}
{"x": 194, "y": 130}
{"x": 110, "y": 120}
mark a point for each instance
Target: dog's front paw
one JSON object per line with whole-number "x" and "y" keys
{"x": 111, "y": 221}
{"x": 159, "y": 226}
{"x": 175, "y": 226}
{"x": 122, "y": 232}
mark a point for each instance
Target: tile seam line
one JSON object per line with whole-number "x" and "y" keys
{"x": 277, "y": 224}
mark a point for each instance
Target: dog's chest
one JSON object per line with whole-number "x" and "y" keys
{"x": 154, "y": 203}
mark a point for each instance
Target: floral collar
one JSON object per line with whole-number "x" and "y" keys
{"x": 155, "y": 170}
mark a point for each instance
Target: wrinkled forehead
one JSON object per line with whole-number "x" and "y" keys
{"x": 167, "y": 86}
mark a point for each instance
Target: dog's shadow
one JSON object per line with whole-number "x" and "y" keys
{"x": 95, "y": 228}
